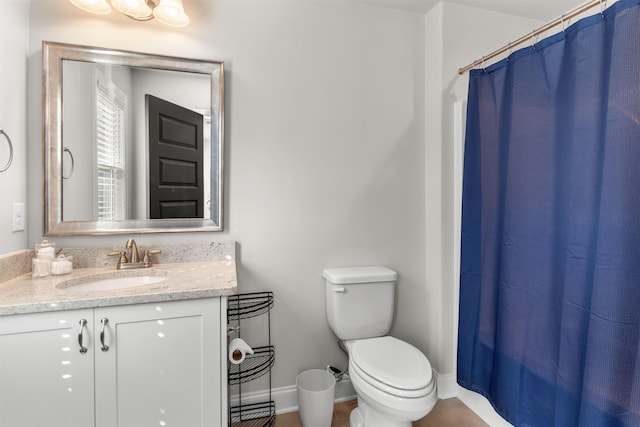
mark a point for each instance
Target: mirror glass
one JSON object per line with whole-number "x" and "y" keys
{"x": 132, "y": 142}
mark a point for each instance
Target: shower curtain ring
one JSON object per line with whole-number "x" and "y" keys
{"x": 603, "y": 6}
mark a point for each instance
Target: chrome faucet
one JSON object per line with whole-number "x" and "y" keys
{"x": 133, "y": 261}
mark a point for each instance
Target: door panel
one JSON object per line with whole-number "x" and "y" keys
{"x": 164, "y": 364}
{"x": 176, "y": 187}
{"x": 44, "y": 379}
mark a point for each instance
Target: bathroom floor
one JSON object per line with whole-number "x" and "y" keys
{"x": 446, "y": 413}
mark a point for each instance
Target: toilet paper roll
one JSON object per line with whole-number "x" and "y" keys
{"x": 238, "y": 349}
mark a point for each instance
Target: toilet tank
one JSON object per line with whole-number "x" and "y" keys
{"x": 360, "y": 301}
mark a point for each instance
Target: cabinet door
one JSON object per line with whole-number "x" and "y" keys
{"x": 44, "y": 379}
{"x": 162, "y": 367}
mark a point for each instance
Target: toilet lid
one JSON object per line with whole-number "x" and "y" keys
{"x": 392, "y": 362}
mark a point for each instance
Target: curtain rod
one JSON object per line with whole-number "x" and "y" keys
{"x": 561, "y": 20}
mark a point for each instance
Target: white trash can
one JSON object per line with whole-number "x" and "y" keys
{"x": 316, "y": 390}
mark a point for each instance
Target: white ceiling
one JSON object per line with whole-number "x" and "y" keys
{"x": 543, "y": 10}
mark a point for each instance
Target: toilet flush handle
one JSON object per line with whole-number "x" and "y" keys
{"x": 339, "y": 289}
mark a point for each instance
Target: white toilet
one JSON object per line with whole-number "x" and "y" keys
{"x": 393, "y": 379}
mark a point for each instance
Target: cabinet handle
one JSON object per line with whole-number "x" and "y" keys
{"x": 104, "y": 322}
{"x": 83, "y": 323}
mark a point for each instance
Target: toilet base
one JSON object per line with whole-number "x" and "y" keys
{"x": 355, "y": 419}
{"x": 364, "y": 416}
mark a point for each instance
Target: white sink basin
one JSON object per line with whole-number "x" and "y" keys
{"x": 113, "y": 281}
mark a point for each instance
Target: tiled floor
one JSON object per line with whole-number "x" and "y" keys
{"x": 446, "y": 413}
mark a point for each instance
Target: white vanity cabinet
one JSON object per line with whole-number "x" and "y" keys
{"x": 152, "y": 364}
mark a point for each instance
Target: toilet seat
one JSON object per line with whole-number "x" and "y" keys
{"x": 393, "y": 366}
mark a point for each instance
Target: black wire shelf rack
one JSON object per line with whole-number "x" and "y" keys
{"x": 253, "y": 415}
{"x": 254, "y": 366}
{"x": 243, "y": 306}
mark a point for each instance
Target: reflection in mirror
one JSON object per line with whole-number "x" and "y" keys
{"x": 132, "y": 142}
{"x": 107, "y": 133}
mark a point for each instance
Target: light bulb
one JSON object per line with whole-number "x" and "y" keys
{"x": 136, "y": 9}
{"x": 171, "y": 12}
{"x": 100, "y": 7}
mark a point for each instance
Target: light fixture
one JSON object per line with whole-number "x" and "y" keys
{"x": 168, "y": 12}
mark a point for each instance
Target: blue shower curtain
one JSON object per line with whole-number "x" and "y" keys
{"x": 549, "y": 325}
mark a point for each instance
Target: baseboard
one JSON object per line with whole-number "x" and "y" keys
{"x": 447, "y": 385}
{"x": 286, "y": 399}
{"x": 481, "y": 406}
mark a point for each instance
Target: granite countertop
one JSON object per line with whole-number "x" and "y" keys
{"x": 184, "y": 280}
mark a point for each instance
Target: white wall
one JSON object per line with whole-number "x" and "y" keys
{"x": 14, "y": 43}
{"x": 324, "y": 134}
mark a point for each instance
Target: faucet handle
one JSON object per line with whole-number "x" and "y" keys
{"x": 122, "y": 260}
{"x": 147, "y": 254}
{"x": 121, "y": 254}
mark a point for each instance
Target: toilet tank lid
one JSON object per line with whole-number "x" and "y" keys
{"x": 365, "y": 274}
